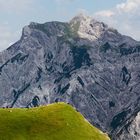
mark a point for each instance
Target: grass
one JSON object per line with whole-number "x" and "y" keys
{"x": 58, "y": 121}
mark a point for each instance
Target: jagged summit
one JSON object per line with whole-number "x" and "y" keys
{"x": 83, "y": 27}
{"x": 98, "y": 32}
{"x": 88, "y": 27}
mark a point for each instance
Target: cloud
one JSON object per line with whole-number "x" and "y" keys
{"x": 124, "y": 16}
{"x": 129, "y": 6}
{"x": 106, "y": 13}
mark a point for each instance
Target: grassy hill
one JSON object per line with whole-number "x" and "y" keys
{"x": 53, "y": 122}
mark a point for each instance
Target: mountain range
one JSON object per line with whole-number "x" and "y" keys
{"x": 82, "y": 62}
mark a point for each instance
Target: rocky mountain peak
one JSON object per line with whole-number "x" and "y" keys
{"x": 26, "y": 31}
{"x": 88, "y": 27}
{"x": 81, "y": 26}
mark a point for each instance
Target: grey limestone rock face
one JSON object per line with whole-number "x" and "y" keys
{"x": 131, "y": 131}
{"x": 82, "y": 62}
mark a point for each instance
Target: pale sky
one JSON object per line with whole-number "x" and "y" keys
{"x": 123, "y": 15}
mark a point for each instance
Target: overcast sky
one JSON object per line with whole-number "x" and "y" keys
{"x": 123, "y": 15}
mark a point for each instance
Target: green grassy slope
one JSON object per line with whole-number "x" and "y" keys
{"x": 53, "y": 122}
